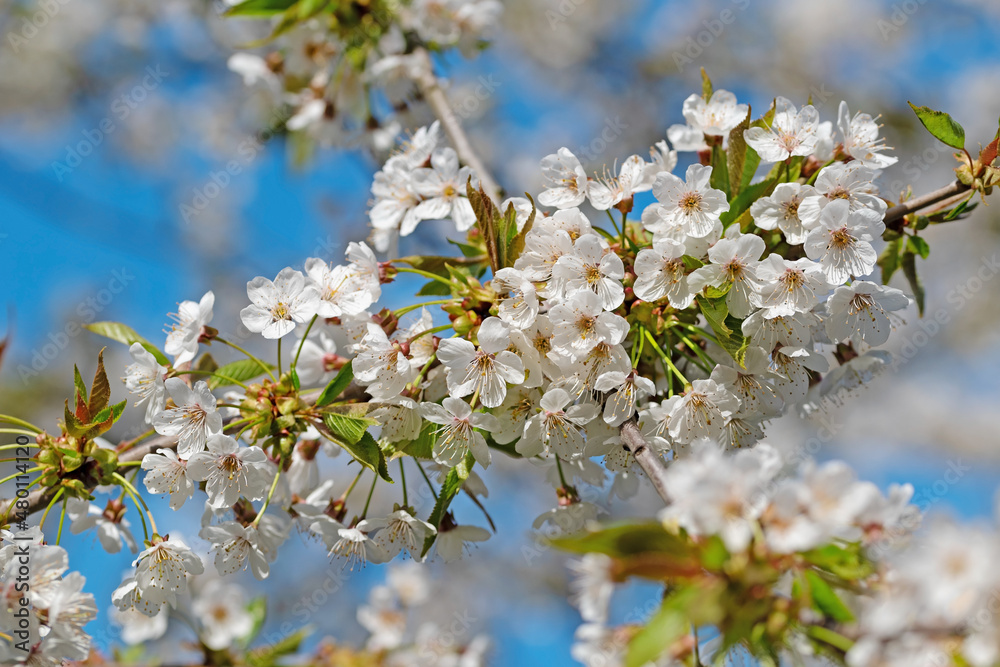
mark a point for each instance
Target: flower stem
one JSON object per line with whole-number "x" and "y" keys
{"x": 426, "y": 479}
{"x": 562, "y": 477}
{"x": 406, "y": 309}
{"x": 433, "y": 330}
{"x": 14, "y": 421}
{"x": 137, "y": 499}
{"x": 62, "y": 519}
{"x": 402, "y": 476}
{"x": 210, "y": 373}
{"x": 353, "y": 484}
{"x": 295, "y": 362}
{"x": 267, "y": 501}
{"x": 18, "y": 474}
{"x": 250, "y": 356}
{"x": 55, "y": 498}
{"x": 368, "y": 502}
{"x": 666, "y": 358}
{"x": 16, "y": 446}
{"x": 425, "y": 274}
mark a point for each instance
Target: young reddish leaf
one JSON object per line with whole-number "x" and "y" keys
{"x": 100, "y": 391}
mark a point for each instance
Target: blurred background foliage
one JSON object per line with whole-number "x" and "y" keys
{"x": 105, "y": 236}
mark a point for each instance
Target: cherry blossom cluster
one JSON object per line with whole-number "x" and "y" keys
{"x": 41, "y": 599}
{"x": 582, "y": 331}
{"x": 334, "y": 85}
{"x": 402, "y": 617}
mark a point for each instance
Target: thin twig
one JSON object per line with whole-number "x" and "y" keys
{"x": 437, "y": 100}
{"x": 899, "y": 211}
{"x": 648, "y": 460}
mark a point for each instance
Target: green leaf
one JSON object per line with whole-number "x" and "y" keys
{"x": 846, "y": 562}
{"x": 100, "y": 391}
{"x": 306, "y": 9}
{"x": 720, "y": 173}
{"x": 516, "y": 245}
{"x": 352, "y": 435}
{"x": 941, "y": 126}
{"x": 919, "y": 246}
{"x": 238, "y": 372}
{"x": 692, "y": 263}
{"x": 728, "y": 329}
{"x": 748, "y": 195}
{"x": 889, "y": 259}
{"x": 691, "y": 605}
{"x": 624, "y": 539}
{"x": 714, "y": 554}
{"x": 963, "y": 207}
{"x": 267, "y": 656}
{"x": 910, "y": 271}
{"x": 125, "y": 334}
{"x": 257, "y": 609}
{"x": 347, "y": 428}
{"x": 736, "y": 156}
{"x": 449, "y": 489}
{"x": 73, "y": 426}
{"x": 467, "y": 250}
{"x": 666, "y": 627}
{"x": 826, "y": 600}
{"x": 336, "y": 386}
{"x": 434, "y": 288}
{"x": 423, "y": 446}
{"x": 79, "y": 391}
{"x": 206, "y": 363}
{"x": 259, "y": 8}
{"x": 706, "y": 85}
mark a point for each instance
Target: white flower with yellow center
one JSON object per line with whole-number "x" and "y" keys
{"x": 556, "y": 427}
{"x": 381, "y": 365}
{"x": 458, "y": 435}
{"x": 189, "y": 321}
{"x": 733, "y": 262}
{"x": 277, "y": 306}
{"x": 565, "y": 178}
{"x": 592, "y": 266}
{"x": 165, "y": 473}
{"x": 702, "y": 412}
{"x": 580, "y": 323}
{"x": 781, "y": 210}
{"x": 237, "y": 546}
{"x": 400, "y": 530}
{"x": 193, "y": 418}
{"x": 660, "y": 273}
{"x": 145, "y": 378}
{"x": 690, "y": 206}
{"x": 859, "y": 312}
{"x": 842, "y": 242}
{"x": 161, "y": 572}
{"x": 230, "y": 472}
{"x": 487, "y": 370}
{"x": 792, "y": 132}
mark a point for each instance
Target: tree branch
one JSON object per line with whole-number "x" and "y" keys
{"x": 38, "y": 500}
{"x": 433, "y": 93}
{"x": 648, "y": 460}
{"x": 899, "y": 211}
